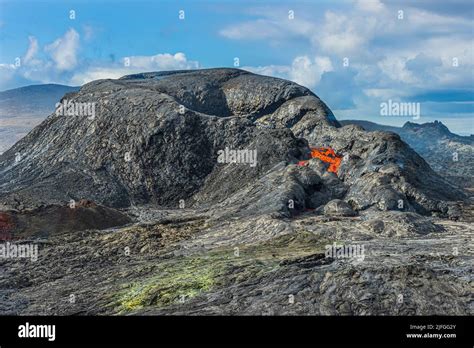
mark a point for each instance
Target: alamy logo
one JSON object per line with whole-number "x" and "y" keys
{"x": 245, "y": 156}
{"x": 392, "y": 108}
{"x": 70, "y": 108}
{"x": 33, "y": 331}
{"x": 12, "y": 251}
{"x": 339, "y": 251}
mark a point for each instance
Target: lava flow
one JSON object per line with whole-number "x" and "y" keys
{"x": 325, "y": 154}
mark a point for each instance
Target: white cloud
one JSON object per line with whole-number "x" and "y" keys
{"x": 275, "y": 27}
{"x": 254, "y": 30}
{"x": 394, "y": 68}
{"x": 60, "y": 63}
{"x": 370, "y": 5}
{"x": 424, "y": 20}
{"x": 333, "y": 34}
{"x": 97, "y": 73}
{"x": 32, "y": 50}
{"x": 133, "y": 65}
{"x": 281, "y": 71}
{"x": 164, "y": 61}
{"x": 63, "y": 51}
{"x": 344, "y": 35}
{"x": 303, "y": 70}
{"x": 308, "y": 72}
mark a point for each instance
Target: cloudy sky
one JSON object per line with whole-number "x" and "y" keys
{"x": 355, "y": 55}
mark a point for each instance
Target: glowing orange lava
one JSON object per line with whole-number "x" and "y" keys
{"x": 325, "y": 154}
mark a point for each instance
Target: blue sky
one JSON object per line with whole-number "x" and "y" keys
{"x": 353, "y": 54}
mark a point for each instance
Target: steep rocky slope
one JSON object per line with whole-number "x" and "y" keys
{"x": 155, "y": 138}
{"x": 175, "y": 230}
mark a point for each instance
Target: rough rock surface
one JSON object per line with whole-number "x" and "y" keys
{"x": 449, "y": 154}
{"x": 338, "y": 208}
{"x": 155, "y": 139}
{"x": 184, "y": 263}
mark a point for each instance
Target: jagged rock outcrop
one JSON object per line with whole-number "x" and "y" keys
{"x": 449, "y": 154}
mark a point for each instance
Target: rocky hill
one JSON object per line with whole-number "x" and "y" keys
{"x": 192, "y": 199}
{"x": 155, "y": 138}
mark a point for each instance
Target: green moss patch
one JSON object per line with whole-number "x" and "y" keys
{"x": 183, "y": 278}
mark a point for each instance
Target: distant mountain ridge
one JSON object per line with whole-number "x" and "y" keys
{"x": 435, "y": 128}
{"x": 34, "y": 99}
{"x": 23, "y": 108}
